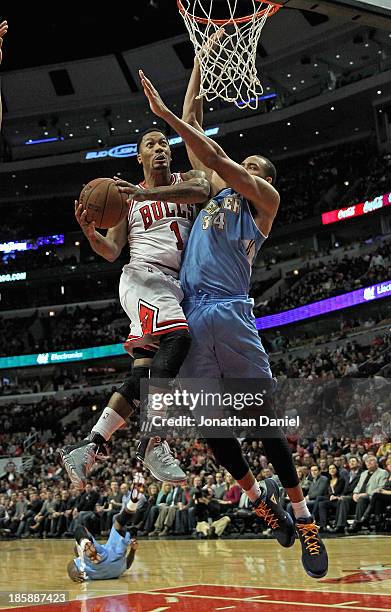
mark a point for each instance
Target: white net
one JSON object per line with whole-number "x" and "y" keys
{"x": 226, "y": 48}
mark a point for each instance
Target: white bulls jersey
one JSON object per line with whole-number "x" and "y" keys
{"x": 158, "y": 231}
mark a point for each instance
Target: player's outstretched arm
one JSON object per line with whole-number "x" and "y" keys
{"x": 110, "y": 246}
{"x": 131, "y": 554}
{"x": 73, "y": 573}
{"x": 258, "y": 191}
{"x": 194, "y": 189}
{"x": 3, "y": 32}
{"x": 193, "y": 111}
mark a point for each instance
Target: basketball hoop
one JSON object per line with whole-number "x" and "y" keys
{"x": 226, "y": 48}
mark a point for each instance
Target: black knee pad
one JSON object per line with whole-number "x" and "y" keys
{"x": 142, "y": 353}
{"x": 130, "y": 388}
{"x": 171, "y": 354}
{"x": 228, "y": 453}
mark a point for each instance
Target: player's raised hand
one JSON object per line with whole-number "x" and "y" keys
{"x": 211, "y": 43}
{"x": 81, "y": 217}
{"x": 155, "y": 102}
{"x": 3, "y": 32}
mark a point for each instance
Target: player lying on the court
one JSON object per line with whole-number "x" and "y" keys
{"x": 228, "y": 232}
{"x": 160, "y": 218}
{"x": 3, "y": 32}
{"x": 104, "y": 561}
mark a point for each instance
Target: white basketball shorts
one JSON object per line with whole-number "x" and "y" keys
{"x": 151, "y": 299}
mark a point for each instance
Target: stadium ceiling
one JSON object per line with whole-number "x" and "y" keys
{"x": 97, "y": 102}
{"x": 373, "y": 13}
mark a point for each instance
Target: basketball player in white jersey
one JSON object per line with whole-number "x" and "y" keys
{"x": 160, "y": 217}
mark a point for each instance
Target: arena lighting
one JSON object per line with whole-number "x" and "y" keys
{"x": 356, "y": 210}
{"x": 41, "y": 140}
{"x": 265, "y": 97}
{"x": 346, "y": 300}
{"x": 20, "y": 361}
{"x": 31, "y": 243}
{"x": 130, "y": 150}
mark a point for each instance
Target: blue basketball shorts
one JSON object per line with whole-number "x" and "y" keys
{"x": 225, "y": 341}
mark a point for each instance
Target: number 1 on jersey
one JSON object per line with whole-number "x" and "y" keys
{"x": 174, "y": 227}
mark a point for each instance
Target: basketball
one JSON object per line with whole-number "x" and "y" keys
{"x": 103, "y": 202}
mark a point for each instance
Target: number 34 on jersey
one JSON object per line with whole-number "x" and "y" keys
{"x": 214, "y": 213}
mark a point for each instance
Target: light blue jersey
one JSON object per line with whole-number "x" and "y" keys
{"x": 221, "y": 249}
{"x": 215, "y": 277}
{"x": 113, "y": 554}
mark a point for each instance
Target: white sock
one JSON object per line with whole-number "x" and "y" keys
{"x": 109, "y": 422}
{"x": 254, "y": 492}
{"x": 300, "y": 509}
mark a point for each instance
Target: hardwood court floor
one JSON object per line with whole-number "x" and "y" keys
{"x": 203, "y": 576}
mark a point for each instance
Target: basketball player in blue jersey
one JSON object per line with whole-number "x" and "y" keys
{"x": 96, "y": 561}
{"x": 215, "y": 277}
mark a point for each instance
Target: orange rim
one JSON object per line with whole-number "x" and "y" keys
{"x": 221, "y": 22}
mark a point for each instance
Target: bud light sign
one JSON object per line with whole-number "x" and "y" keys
{"x": 126, "y": 150}
{"x": 130, "y": 150}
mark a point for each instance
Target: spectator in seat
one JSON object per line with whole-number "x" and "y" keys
{"x": 125, "y": 492}
{"x": 39, "y": 526}
{"x": 84, "y": 513}
{"x": 317, "y": 489}
{"x": 3, "y": 512}
{"x": 54, "y": 516}
{"x": 154, "y": 511}
{"x": 232, "y": 494}
{"x": 219, "y": 486}
{"x": 335, "y": 489}
{"x": 59, "y": 521}
{"x": 70, "y": 504}
{"x": 18, "y": 520}
{"x": 345, "y": 503}
{"x": 175, "y": 500}
{"x": 379, "y": 501}
{"x": 384, "y": 448}
{"x": 339, "y": 462}
{"x": 114, "y": 506}
{"x": 142, "y": 515}
{"x": 370, "y": 480}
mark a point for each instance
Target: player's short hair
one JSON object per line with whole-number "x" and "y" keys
{"x": 270, "y": 168}
{"x": 148, "y": 131}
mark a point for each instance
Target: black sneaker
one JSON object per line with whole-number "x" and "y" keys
{"x": 274, "y": 516}
{"x": 313, "y": 552}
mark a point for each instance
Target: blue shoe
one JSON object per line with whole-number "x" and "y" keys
{"x": 268, "y": 508}
{"x": 314, "y": 554}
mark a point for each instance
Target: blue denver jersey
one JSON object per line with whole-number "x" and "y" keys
{"x": 221, "y": 248}
{"x": 113, "y": 554}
